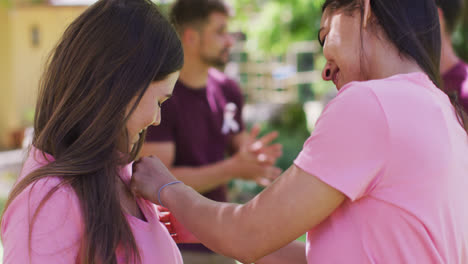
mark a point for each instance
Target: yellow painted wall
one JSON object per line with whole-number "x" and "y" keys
{"x": 28, "y": 59}
{"x": 6, "y": 74}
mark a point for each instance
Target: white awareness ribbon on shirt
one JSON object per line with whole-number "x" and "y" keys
{"x": 229, "y": 123}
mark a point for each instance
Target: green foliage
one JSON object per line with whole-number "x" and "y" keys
{"x": 272, "y": 26}
{"x": 302, "y": 238}
{"x": 460, "y": 39}
{"x": 164, "y": 7}
{"x": 292, "y": 127}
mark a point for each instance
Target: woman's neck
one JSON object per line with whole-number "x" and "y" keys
{"x": 388, "y": 61}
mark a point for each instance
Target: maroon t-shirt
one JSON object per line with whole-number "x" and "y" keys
{"x": 456, "y": 80}
{"x": 201, "y": 123}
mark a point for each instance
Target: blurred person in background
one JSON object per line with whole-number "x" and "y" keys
{"x": 202, "y": 123}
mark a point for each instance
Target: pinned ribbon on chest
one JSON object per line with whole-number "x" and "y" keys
{"x": 229, "y": 123}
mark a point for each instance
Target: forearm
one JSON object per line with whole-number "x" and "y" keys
{"x": 293, "y": 253}
{"x": 285, "y": 210}
{"x": 222, "y": 227}
{"x": 205, "y": 178}
{"x": 201, "y": 178}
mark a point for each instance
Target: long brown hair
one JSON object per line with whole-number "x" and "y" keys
{"x": 106, "y": 57}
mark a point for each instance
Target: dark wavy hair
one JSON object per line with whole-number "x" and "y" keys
{"x": 107, "y": 56}
{"x": 413, "y": 27}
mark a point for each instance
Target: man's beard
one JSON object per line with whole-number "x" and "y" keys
{"x": 216, "y": 61}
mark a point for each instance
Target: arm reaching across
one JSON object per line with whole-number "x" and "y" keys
{"x": 245, "y": 232}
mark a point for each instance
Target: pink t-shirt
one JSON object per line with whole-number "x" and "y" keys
{"x": 394, "y": 147}
{"x": 58, "y": 230}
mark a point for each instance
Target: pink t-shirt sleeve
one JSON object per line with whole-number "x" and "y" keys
{"x": 348, "y": 148}
{"x": 56, "y": 232}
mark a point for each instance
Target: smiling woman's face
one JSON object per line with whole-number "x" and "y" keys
{"x": 340, "y": 36}
{"x": 148, "y": 111}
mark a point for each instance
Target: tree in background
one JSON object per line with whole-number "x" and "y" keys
{"x": 272, "y": 25}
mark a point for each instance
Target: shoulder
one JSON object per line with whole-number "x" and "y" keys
{"x": 52, "y": 230}
{"x": 47, "y": 194}
{"x": 408, "y": 86}
{"x": 371, "y": 86}
{"x": 352, "y": 129}
{"x": 357, "y": 105}
{"x": 42, "y": 187}
{"x": 356, "y": 94}
{"x": 55, "y": 209}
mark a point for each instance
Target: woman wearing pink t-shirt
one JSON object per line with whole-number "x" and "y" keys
{"x": 383, "y": 177}
{"x": 103, "y": 86}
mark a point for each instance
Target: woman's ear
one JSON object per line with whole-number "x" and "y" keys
{"x": 367, "y": 13}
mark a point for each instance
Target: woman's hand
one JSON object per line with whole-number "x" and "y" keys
{"x": 149, "y": 175}
{"x": 179, "y": 233}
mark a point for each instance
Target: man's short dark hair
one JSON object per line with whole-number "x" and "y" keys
{"x": 192, "y": 12}
{"x": 452, "y": 10}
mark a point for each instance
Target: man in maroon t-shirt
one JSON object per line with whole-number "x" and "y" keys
{"x": 453, "y": 70}
{"x": 202, "y": 122}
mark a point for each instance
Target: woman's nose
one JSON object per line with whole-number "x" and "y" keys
{"x": 157, "y": 120}
{"x": 327, "y": 72}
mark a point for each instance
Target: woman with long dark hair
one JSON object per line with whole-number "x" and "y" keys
{"x": 383, "y": 177}
{"x": 104, "y": 85}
